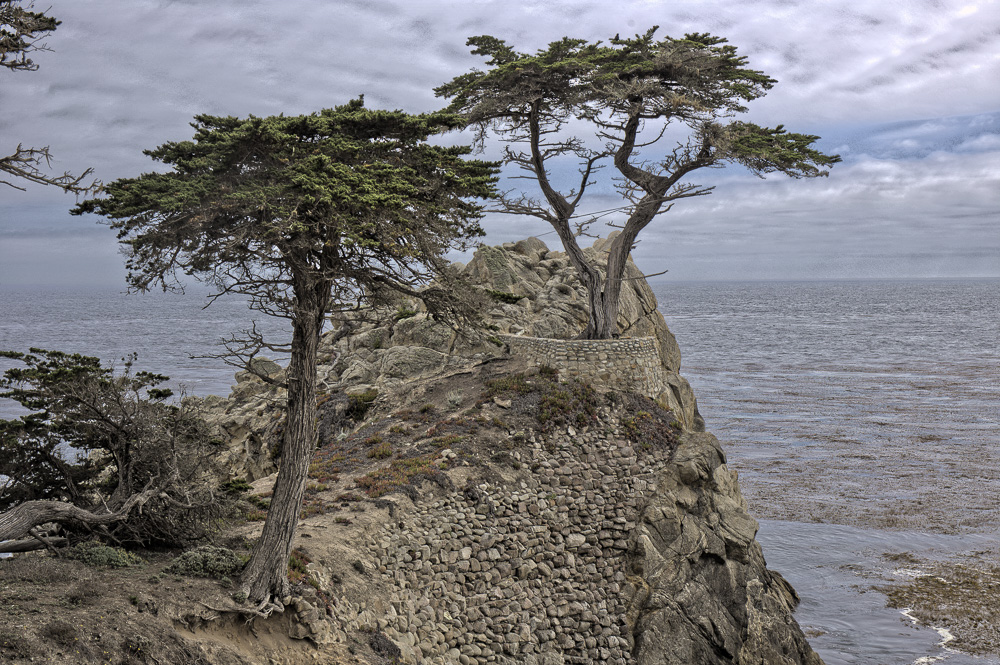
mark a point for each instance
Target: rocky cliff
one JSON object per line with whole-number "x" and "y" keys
{"x": 536, "y": 293}
{"x": 473, "y": 507}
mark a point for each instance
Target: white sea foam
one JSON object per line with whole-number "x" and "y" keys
{"x": 946, "y": 637}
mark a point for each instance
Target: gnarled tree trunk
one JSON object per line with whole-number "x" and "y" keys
{"x": 266, "y": 574}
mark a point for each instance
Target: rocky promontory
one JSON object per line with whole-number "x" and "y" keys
{"x": 497, "y": 506}
{"x": 500, "y": 498}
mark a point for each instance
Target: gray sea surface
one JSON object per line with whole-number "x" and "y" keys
{"x": 863, "y": 418}
{"x": 167, "y": 331}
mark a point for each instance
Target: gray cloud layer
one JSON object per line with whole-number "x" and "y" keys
{"x": 907, "y": 92}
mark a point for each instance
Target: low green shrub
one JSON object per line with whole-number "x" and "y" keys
{"x": 404, "y": 313}
{"x": 97, "y": 554}
{"x": 236, "y": 486}
{"x": 504, "y": 296}
{"x": 208, "y": 561}
{"x": 359, "y": 404}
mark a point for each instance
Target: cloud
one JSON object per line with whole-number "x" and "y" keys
{"x": 903, "y": 90}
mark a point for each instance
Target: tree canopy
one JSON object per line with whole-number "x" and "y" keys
{"x": 99, "y": 441}
{"x": 302, "y": 214}
{"x": 352, "y": 196}
{"x": 21, "y": 32}
{"x": 619, "y": 102}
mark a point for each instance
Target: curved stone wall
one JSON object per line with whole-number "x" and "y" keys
{"x": 627, "y": 364}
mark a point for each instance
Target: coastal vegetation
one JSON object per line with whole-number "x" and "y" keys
{"x": 303, "y": 215}
{"x": 350, "y": 212}
{"x": 21, "y": 33}
{"x": 103, "y": 454}
{"x": 658, "y": 109}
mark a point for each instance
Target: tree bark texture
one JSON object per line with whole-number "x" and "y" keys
{"x": 21, "y": 519}
{"x": 30, "y": 545}
{"x": 266, "y": 573}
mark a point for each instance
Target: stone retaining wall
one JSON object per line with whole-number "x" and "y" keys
{"x": 625, "y": 364}
{"x": 532, "y": 572}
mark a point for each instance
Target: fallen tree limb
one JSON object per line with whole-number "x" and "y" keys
{"x": 21, "y": 519}
{"x": 29, "y": 545}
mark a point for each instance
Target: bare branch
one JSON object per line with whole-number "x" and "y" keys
{"x": 644, "y": 277}
{"x": 25, "y": 163}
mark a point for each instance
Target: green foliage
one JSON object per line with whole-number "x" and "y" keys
{"x": 620, "y": 97}
{"x": 380, "y": 451}
{"x": 632, "y": 424}
{"x": 555, "y": 402}
{"x": 516, "y": 383}
{"x": 504, "y": 297}
{"x": 348, "y": 197}
{"x": 97, "y": 435}
{"x": 447, "y": 441}
{"x": 571, "y": 402}
{"x": 404, "y": 313}
{"x": 297, "y": 566}
{"x": 208, "y": 561}
{"x": 688, "y": 78}
{"x": 77, "y": 405}
{"x": 236, "y": 486}
{"x": 645, "y": 422}
{"x": 304, "y": 214}
{"x": 358, "y": 404}
{"x": 98, "y": 555}
{"x": 454, "y": 399}
{"x": 259, "y": 502}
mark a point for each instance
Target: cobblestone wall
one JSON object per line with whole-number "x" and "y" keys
{"x": 625, "y": 364}
{"x": 529, "y": 572}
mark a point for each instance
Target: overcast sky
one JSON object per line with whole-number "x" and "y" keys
{"x": 907, "y": 92}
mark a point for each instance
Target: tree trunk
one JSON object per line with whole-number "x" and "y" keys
{"x": 606, "y": 325}
{"x": 21, "y": 519}
{"x": 599, "y": 324}
{"x": 266, "y": 574}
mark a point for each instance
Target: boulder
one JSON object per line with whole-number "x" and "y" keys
{"x": 701, "y": 591}
{"x": 407, "y": 362}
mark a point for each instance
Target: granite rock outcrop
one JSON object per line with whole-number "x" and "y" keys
{"x": 612, "y": 532}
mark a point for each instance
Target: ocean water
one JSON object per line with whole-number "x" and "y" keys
{"x": 167, "y": 331}
{"x": 862, "y": 417}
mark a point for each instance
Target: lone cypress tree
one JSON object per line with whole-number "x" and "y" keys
{"x": 300, "y": 214}
{"x": 632, "y": 94}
